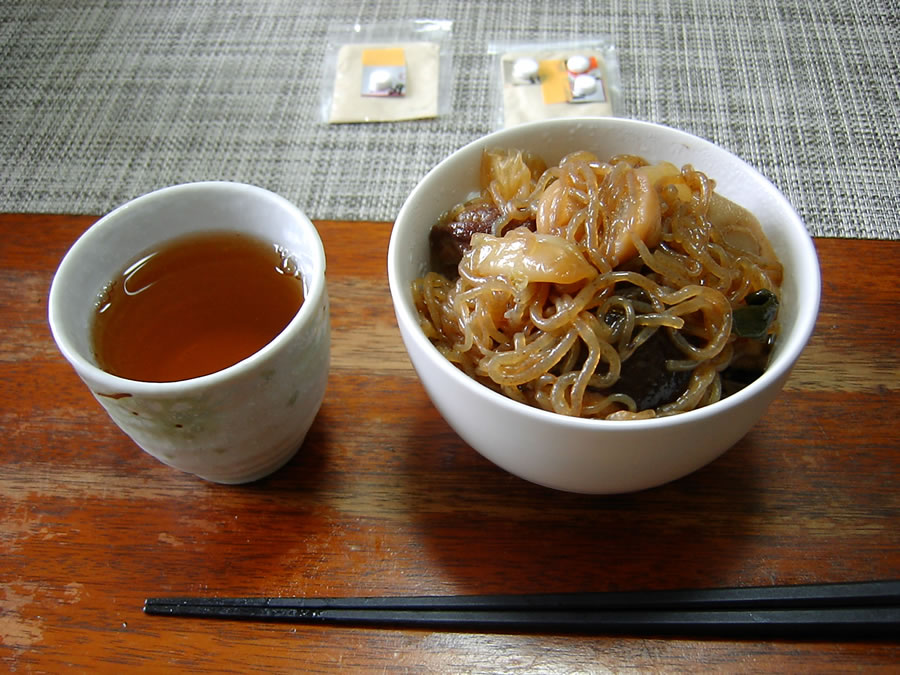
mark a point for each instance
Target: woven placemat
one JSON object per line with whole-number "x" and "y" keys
{"x": 103, "y": 101}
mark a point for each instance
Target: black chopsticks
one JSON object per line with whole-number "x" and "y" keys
{"x": 841, "y": 610}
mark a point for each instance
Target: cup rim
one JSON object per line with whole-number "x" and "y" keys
{"x": 101, "y": 379}
{"x": 779, "y": 368}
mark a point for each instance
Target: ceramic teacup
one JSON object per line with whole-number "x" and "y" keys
{"x": 235, "y": 425}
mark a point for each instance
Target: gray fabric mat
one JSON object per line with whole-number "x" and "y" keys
{"x": 103, "y": 101}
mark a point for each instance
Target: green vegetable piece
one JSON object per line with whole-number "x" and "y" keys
{"x": 754, "y": 319}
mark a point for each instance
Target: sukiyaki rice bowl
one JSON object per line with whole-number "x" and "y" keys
{"x": 601, "y": 305}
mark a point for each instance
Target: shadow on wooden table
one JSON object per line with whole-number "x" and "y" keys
{"x": 493, "y": 532}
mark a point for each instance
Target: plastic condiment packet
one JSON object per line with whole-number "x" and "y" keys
{"x": 537, "y": 81}
{"x": 387, "y": 72}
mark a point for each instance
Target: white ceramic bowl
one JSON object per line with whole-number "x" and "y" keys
{"x": 598, "y": 456}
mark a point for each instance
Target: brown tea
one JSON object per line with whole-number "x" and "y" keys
{"x": 195, "y": 305}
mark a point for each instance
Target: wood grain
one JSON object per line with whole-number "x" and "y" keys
{"x": 384, "y": 498}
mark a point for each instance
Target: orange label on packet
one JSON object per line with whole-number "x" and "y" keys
{"x": 383, "y": 72}
{"x": 385, "y": 57}
{"x": 559, "y": 85}
{"x": 554, "y": 81}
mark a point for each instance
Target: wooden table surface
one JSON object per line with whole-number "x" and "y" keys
{"x": 384, "y": 498}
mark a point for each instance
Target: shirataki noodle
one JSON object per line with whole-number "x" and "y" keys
{"x": 598, "y": 288}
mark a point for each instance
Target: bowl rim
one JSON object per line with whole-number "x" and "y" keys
{"x": 777, "y": 371}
